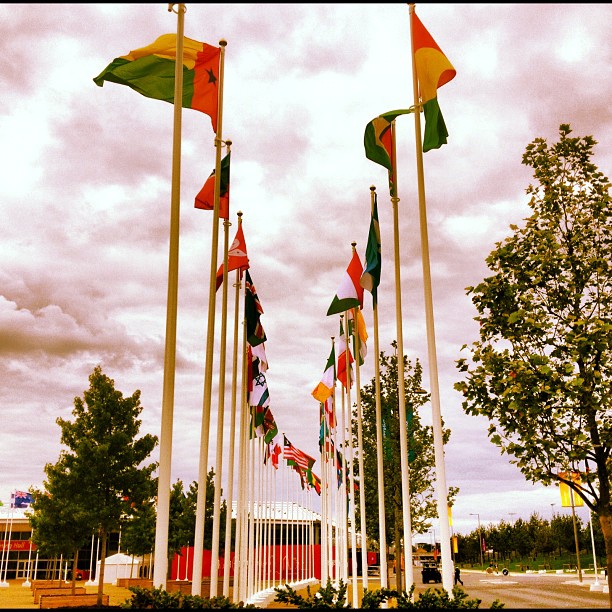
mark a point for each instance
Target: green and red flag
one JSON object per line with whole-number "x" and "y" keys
{"x": 433, "y": 69}
{"x": 205, "y": 199}
{"x": 150, "y": 71}
{"x": 370, "y": 277}
{"x": 378, "y": 143}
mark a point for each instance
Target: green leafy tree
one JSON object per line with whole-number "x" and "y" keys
{"x": 138, "y": 530}
{"x": 103, "y": 463}
{"x": 59, "y": 526}
{"x": 421, "y": 453}
{"x": 542, "y": 368}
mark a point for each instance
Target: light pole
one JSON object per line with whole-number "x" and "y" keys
{"x": 552, "y": 510}
{"x": 479, "y": 537}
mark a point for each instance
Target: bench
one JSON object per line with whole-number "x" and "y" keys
{"x": 374, "y": 570}
{"x": 48, "y": 583}
{"x": 63, "y": 601}
{"x": 63, "y": 590}
{"x": 146, "y": 583}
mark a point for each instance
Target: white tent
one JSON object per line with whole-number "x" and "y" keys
{"x": 118, "y": 566}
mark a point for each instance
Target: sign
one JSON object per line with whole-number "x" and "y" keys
{"x": 568, "y": 497}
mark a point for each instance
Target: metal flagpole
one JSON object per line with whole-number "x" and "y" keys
{"x": 362, "y": 507}
{"x": 442, "y": 490}
{"x": 382, "y": 530}
{"x": 230, "y": 471}
{"x": 409, "y": 574}
{"x": 165, "y": 440}
{"x": 214, "y": 560}
{"x": 351, "y": 462}
{"x": 198, "y": 545}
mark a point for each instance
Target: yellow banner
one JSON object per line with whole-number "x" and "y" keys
{"x": 455, "y": 545}
{"x": 567, "y": 493}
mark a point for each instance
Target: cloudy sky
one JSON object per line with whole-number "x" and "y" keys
{"x": 86, "y": 181}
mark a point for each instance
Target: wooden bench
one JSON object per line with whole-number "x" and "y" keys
{"x": 47, "y": 583}
{"x": 147, "y": 583}
{"x": 64, "y": 601}
{"x": 63, "y": 590}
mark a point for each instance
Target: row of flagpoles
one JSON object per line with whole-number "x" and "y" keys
{"x": 197, "y": 78}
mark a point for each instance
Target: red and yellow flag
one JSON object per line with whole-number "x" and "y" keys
{"x": 433, "y": 69}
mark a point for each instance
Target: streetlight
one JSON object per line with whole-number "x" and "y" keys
{"x": 552, "y": 510}
{"x": 479, "y": 537}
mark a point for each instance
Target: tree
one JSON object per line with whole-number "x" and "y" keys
{"x": 103, "y": 463}
{"x": 542, "y": 368}
{"x": 59, "y": 524}
{"x": 421, "y": 452}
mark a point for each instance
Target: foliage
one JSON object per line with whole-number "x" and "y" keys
{"x": 138, "y": 530}
{"x": 541, "y": 371}
{"x": 100, "y": 474}
{"x": 326, "y": 597}
{"x": 158, "y": 598}
{"x": 440, "y": 599}
{"x": 420, "y": 443}
{"x": 332, "y": 597}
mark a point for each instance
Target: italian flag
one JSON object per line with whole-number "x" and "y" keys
{"x": 150, "y": 71}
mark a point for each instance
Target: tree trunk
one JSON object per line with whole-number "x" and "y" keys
{"x": 102, "y": 560}
{"x": 399, "y": 585}
{"x": 75, "y": 561}
{"x": 605, "y": 521}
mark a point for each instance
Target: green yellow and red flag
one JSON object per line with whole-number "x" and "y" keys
{"x": 150, "y": 71}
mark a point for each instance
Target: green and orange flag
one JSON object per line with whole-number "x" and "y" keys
{"x": 433, "y": 69}
{"x": 150, "y": 71}
{"x": 378, "y": 142}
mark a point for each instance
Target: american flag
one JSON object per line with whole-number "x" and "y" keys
{"x": 294, "y": 456}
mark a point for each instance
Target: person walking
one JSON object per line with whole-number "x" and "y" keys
{"x": 458, "y": 576}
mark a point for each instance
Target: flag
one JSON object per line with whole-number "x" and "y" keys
{"x": 205, "y": 199}
{"x": 299, "y": 470}
{"x": 339, "y": 470}
{"x": 342, "y": 358}
{"x": 270, "y": 429}
{"x": 330, "y": 413}
{"x": 237, "y": 258}
{"x": 362, "y": 331}
{"x": 259, "y": 396}
{"x": 378, "y": 143}
{"x": 150, "y": 71}
{"x": 294, "y": 456}
{"x": 275, "y": 453}
{"x": 253, "y": 311}
{"x": 350, "y": 293}
{"x": 370, "y": 278}
{"x": 433, "y": 69}
{"x": 325, "y": 388}
{"x": 313, "y": 480}
{"x": 566, "y": 493}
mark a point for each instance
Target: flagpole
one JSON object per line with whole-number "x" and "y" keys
{"x": 198, "y": 545}
{"x": 362, "y": 507}
{"x": 442, "y": 490}
{"x": 167, "y": 416}
{"x": 382, "y": 529}
{"x": 409, "y": 574}
{"x": 214, "y": 560}
{"x": 351, "y": 470}
{"x": 230, "y": 471}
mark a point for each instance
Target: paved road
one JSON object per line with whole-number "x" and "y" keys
{"x": 531, "y": 590}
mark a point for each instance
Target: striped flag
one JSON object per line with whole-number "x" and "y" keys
{"x": 325, "y": 388}
{"x": 350, "y": 292}
{"x": 295, "y": 457}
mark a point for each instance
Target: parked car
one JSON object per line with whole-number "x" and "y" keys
{"x": 431, "y": 572}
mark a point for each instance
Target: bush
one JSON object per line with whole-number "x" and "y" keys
{"x": 330, "y": 597}
{"x": 159, "y": 598}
